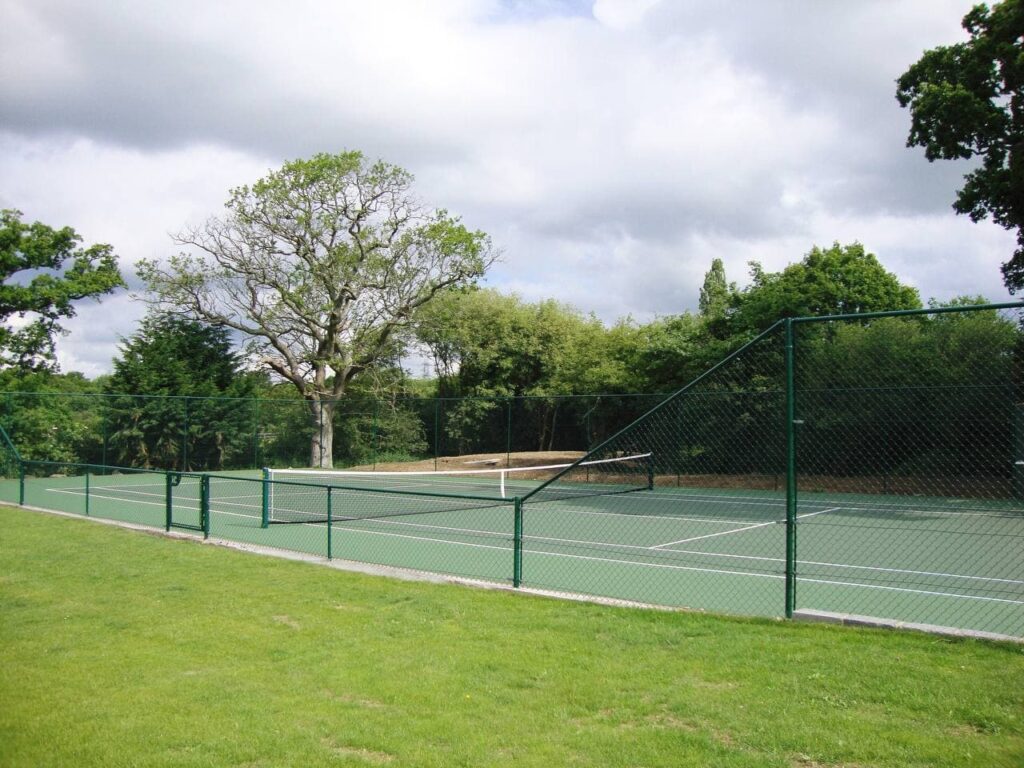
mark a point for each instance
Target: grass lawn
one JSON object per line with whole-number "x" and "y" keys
{"x": 119, "y": 648}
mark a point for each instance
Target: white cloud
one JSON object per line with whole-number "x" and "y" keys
{"x": 612, "y": 151}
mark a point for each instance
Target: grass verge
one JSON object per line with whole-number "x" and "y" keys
{"x": 118, "y": 648}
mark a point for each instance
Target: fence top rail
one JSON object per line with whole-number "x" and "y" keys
{"x": 908, "y": 312}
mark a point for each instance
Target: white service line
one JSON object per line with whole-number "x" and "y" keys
{"x": 740, "y": 530}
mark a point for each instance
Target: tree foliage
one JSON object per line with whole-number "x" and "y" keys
{"x": 44, "y": 272}
{"x": 967, "y": 101}
{"x": 321, "y": 266}
{"x": 839, "y": 280}
{"x": 183, "y": 378}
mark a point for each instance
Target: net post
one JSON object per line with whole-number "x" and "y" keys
{"x": 168, "y": 500}
{"x": 650, "y": 471}
{"x": 790, "y": 601}
{"x": 265, "y": 499}
{"x": 330, "y": 523}
{"x": 517, "y": 543}
{"x": 204, "y": 505}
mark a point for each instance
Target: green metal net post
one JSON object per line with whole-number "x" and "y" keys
{"x": 204, "y": 505}
{"x": 265, "y": 499}
{"x": 168, "y": 498}
{"x": 790, "y": 471}
{"x": 330, "y": 523}
{"x": 517, "y": 544}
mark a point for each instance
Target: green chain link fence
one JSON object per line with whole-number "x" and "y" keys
{"x": 869, "y": 465}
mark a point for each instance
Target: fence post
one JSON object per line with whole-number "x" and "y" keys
{"x": 330, "y": 523}
{"x": 168, "y": 499}
{"x": 184, "y": 450}
{"x": 508, "y": 432}
{"x": 790, "y": 470}
{"x": 437, "y": 422}
{"x": 265, "y": 500}
{"x": 204, "y": 505}
{"x": 87, "y": 493}
{"x": 517, "y": 543}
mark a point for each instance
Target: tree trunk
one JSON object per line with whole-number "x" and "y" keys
{"x": 321, "y": 453}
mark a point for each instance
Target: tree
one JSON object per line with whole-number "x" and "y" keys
{"x": 321, "y": 265}
{"x": 716, "y": 292}
{"x": 183, "y": 410}
{"x": 44, "y": 272}
{"x": 966, "y": 101}
{"x": 842, "y": 279}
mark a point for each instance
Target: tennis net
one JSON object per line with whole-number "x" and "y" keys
{"x": 316, "y": 495}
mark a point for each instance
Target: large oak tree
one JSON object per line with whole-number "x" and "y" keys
{"x": 320, "y": 266}
{"x": 43, "y": 272}
{"x": 967, "y": 101}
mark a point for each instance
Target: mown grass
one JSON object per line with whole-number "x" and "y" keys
{"x": 118, "y": 648}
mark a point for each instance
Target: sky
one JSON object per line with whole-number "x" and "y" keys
{"x": 610, "y": 148}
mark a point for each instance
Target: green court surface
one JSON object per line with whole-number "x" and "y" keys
{"x": 949, "y": 562}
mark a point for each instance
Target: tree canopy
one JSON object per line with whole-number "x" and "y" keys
{"x": 839, "y": 280}
{"x": 321, "y": 266}
{"x": 967, "y": 101}
{"x": 191, "y": 368}
{"x": 44, "y": 272}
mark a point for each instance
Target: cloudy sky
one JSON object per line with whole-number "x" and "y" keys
{"x": 612, "y": 148}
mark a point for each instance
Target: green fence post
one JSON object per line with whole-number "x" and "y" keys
{"x": 373, "y": 431}
{"x": 790, "y": 603}
{"x": 256, "y": 432}
{"x": 508, "y": 433}
{"x": 204, "y": 505}
{"x": 87, "y": 493}
{"x": 330, "y": 526}
{"x": 21, "y": 484}
{"x": 265, "y": 501}
{"x": 437, "y": 422}
{"x": 184, "y": 441}
{"x": 517, "y": 543}
{"x": 168, "y": 500}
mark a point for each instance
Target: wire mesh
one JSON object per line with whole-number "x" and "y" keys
{"x": 694, "y": 516}
{"x": 869, "y": 465}
{"x": 909, "y": 436}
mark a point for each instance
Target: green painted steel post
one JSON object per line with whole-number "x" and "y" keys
{"x": 437, "y": 423}
{"x": 373, "y": 431}
{"x": 508, "y": 433}
{"x": 517, "y": 543}
{"x": 330, "y": 524}
{"x": 86, "y": 494}
{"x": 790, "y": 470}
{"x": 265, "y": 500}
{"x": 21, "y": 484}
{"x": 256, "y": 432}
{"x": 204, "y": 505}
{"x": 184, "y": 451}
{"x": 650, "y": 472}
{"x": 168, "y": 500}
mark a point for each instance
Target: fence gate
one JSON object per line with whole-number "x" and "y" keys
{"x": 188, "y": 501}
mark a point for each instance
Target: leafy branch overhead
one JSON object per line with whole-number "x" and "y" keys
{"x": 967, "y": 101}
{"x": 321, "y": 266}
{"x": 44, "y": 272}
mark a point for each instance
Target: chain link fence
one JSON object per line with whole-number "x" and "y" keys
{"x": 870, "y": 465}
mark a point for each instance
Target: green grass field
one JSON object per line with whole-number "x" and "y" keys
{"x": 119, "y": 648}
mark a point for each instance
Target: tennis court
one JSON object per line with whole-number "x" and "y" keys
{"x": 943, "y": 561}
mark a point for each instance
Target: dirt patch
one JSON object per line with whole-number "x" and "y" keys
{"x": 478, "y": 461}
{"x": 368, "y": 756}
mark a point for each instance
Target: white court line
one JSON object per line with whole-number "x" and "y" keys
{"x": 912, "y": 591}
{"x": 739, "y": 530}
{"x": 664, "y": 565}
